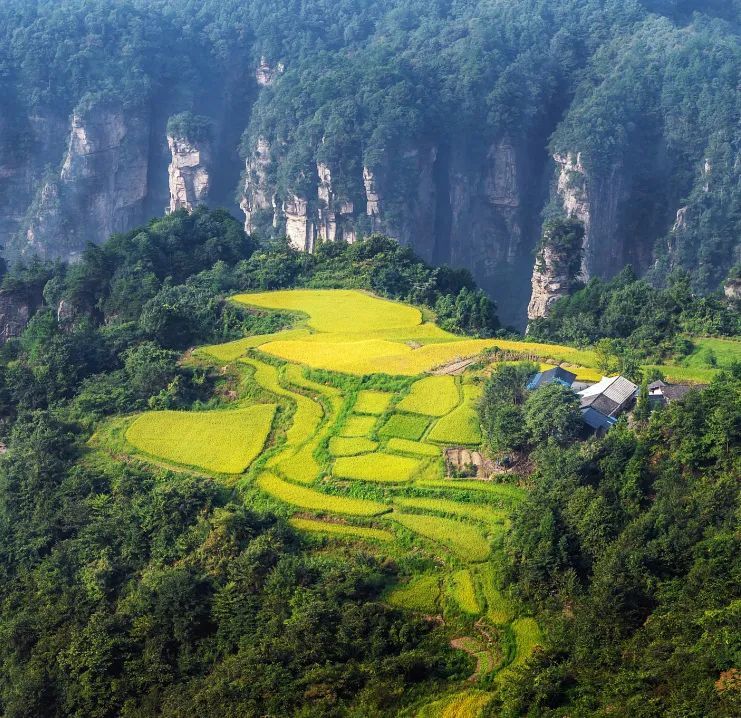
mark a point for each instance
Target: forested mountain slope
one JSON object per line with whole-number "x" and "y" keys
{"x": 454, "y": 127}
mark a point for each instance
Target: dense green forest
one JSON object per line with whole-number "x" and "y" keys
{"x": 131, "y": 590}
{"x": 644, "y": 91}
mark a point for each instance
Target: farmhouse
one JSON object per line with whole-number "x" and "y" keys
{"x": 602, "y": 403}
{"x": 660, "y": 393}
{"x": 556, "y": 375}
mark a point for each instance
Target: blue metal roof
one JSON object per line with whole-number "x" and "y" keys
{"x": 557, "y": 375}
{"x": 596, "y": 419}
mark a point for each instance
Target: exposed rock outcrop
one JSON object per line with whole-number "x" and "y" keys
{"x": 732, "y": 289}
{"x": 557, "y": 265}
{"x": 299, "y": 226}
{"x": 265, "y": 73}
{"x": 595, "y": 201}
{"x": 334, "y": 215}
{"x": 101, "y": 187}
{"x": 16, "y": 309}
{"x": 256, "y": 194}
{"x": 188, "y": 173}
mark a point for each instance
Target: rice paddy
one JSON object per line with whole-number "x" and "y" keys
{"x": 387, "y": 468}
{"x": 372, "y": 402}
{"x": 432, "y": 396}
{"x": 338, "y": 529}
{"x": 420, "y": 594}
{"x": 342, "y": 456}
{"x": 405, "y": 426}
{"x": 346, "y": 446}
{"x": 470, "y": 704}
{"x": 464, "y": 540}
{"x": 478, "y": 512}
{"x": 225, "y": 442}
{"x": 460, "y": 426}
{"x": 464, "y": 592}
{"x": 405, "y": 446}
{"x": 306, "y": 498}
{"x": 358, "y": 426}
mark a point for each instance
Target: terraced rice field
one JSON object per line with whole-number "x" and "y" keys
{"x": 470, "y": 704}
{"x": 337, "y": 529}
{"x": 341, "y": 461}
{"x": 431, "y": 396}
{"x": 486, "y": 514}
{"x": 420, "y": 594}
{"x": 305, "y": 498}
{"x": 358, "y": 426}
{"x": 463, "y": 592}
{"x": 460, "y": 426}
{"x": 225, "y": 442}
{"x": 372, "y": 402}
{"x": 346, "y": 446}
{"x": 376, "y": 467}
{"x": 404, "y": 446}
{"x": 464, "y": 540}
{"x": 405, "y": 426}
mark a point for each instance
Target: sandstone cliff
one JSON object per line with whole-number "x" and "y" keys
{"x": 558, "y": 263}
{"x": 16, "y": 308}
{"x": 100, "y": 189}
{"x": 188, "y": 172}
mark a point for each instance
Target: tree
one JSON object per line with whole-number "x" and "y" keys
{"x": 552, "y": 412}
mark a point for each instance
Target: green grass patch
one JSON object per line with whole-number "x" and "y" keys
{"x": 358, "y": 426}
{"x": 405, "y": 446}
{"x": 351, "y": 446}
{"x": 221, "y": 441}
{"x": 335, "y": 529}
{"x": 487, "y": 514}
{"x": 372, "y": 402}
{"x": 315, "y": 500}
{"x": 463, "y": 592}
{"x": 465, "y": 540}
{"x": 420, "y": 594}
{"x": 376, "y": 467}
{"x": 432, "y": 396}
{"x": 405, "y": 426}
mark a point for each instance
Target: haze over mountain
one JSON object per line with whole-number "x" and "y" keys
{"x": 456, "y": 127}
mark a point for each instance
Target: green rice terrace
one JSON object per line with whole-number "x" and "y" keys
{"x": 340, "y": 424}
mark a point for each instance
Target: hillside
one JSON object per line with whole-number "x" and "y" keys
{"x": 453, "y": 127}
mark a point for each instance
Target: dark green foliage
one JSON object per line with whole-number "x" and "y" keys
{"x": 128, "y": 592}
{"x": 187, "y": 126}
{"x": 647, "y": 318}
{"x": 564, "y": 237}
{"x": 630, "y": 548}
{"x": 552, "y": 412}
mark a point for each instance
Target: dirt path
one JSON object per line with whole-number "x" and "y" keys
{"x": 454, "y": 368}
{"x": 484, "y": 657}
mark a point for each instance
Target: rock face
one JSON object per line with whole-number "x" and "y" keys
{"x": 16, "y": 308}
{"x": 549, "y": 283}
{"x": 188, "y": 172}
{"x": 596, "y": 202}
{"x": 300, "y": 228}
{"x": 334, "y": 214}
{"x": 558, "y": 264}
{"x": 265, "y": 73}
{"x": 256, "y": 194}
{"x": 452, "y": 203}
{"x": 100, "y": 189}
{"x": 732, "y": 289}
